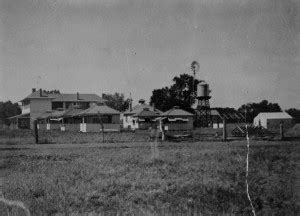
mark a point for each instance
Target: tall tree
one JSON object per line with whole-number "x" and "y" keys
{"x": 253, "y": 109}
{"x": 116, "y": 101}
{"x": 8, "y": 109}
{"x": 179, "y": 94}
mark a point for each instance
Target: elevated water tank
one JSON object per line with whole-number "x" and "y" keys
{"x": 203, "y": 90}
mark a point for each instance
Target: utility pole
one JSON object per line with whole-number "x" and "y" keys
{"x": 224, "y": 130}
{"x": 281, "y": 131}
{"x": 36, "y": 133}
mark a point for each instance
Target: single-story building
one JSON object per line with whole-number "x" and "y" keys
{"x": 145, "y": 119}
{"x": 216, "y": 118}
{"x": 77, "y": 119}
{"x": 176, "y": 119}
{"x": 272, "y": 120}
{"x": 51, "y": 120}
{"x": 21, "y": 121}
{"x": 130, "y": 120}
{"x": 98, "y": 116}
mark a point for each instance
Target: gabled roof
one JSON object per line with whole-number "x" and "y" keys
{"x": 65, "y": 97}
{"x": 177, "y": 112}
{"x": 140, "y": 107}
{"x": 96, "y": 109}
{"x": 146, "y": 113}
{"x": 274, "y": 115}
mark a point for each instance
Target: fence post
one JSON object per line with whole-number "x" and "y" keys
{"x": 36, "y": 132}
{"x": 224, "y": 130}
{"x": 281, "y": 131}
{"x": 102, "y": 126}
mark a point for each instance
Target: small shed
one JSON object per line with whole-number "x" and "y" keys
{"x": 21, "y": 121}
{"x": 272, "y": 120}
{"x": 138, "y": 114}
{"x": 145, "y": 119}
{"x": 217, "y": 121}
{"x": 177, "y": 119}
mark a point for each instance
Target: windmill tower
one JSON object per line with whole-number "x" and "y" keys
{"x": 203, "y": 112}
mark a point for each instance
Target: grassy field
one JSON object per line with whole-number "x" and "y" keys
{"x": 134, "y": 178}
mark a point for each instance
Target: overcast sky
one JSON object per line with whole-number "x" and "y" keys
{"x": 248, "y": 50}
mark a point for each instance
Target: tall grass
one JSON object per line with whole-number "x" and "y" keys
{"x": 201, "y": 178}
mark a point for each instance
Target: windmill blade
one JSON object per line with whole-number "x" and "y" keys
{"x": 195, "y": 66}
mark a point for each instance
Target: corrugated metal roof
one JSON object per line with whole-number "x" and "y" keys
{"x": 274, "y": 115}
{"x": 102, "y": 109}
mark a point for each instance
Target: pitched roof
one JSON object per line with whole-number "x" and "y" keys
{"x": 51, "y": 114}
{"x": 24, "y": 115}
{"x": 72, "y": 112}
{"x": 176, "y": 111}
{"x": 65, "y": 97}
{"x": 274, "y": 115}
{"x": 96, "y": 109}
{"x": 38, "y": 94}
{"x": 140, "y": 107}
{"x": 146, "y": 113}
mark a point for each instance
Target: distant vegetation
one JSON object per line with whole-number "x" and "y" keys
{"x": 295, "y": 113}
{"x": 253, "y": 109}
{"x": 8, "y": 109}
{"x": 179, "y": 94}
{"x": 116, "y": 101}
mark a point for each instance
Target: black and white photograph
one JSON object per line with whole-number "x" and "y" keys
{"x": 149, "y": 107}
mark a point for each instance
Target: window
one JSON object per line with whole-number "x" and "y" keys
{"x": 105, "y": 119}
{"x": 57, "y": 105}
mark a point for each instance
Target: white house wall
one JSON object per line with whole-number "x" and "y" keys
{"x": 128, "y": 121}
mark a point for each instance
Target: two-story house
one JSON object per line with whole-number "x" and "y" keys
{"x": 39, "y": 102}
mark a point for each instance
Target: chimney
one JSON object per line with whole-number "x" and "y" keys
{"x": 33, "y": 90}
{"x": 78, "y": 96}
